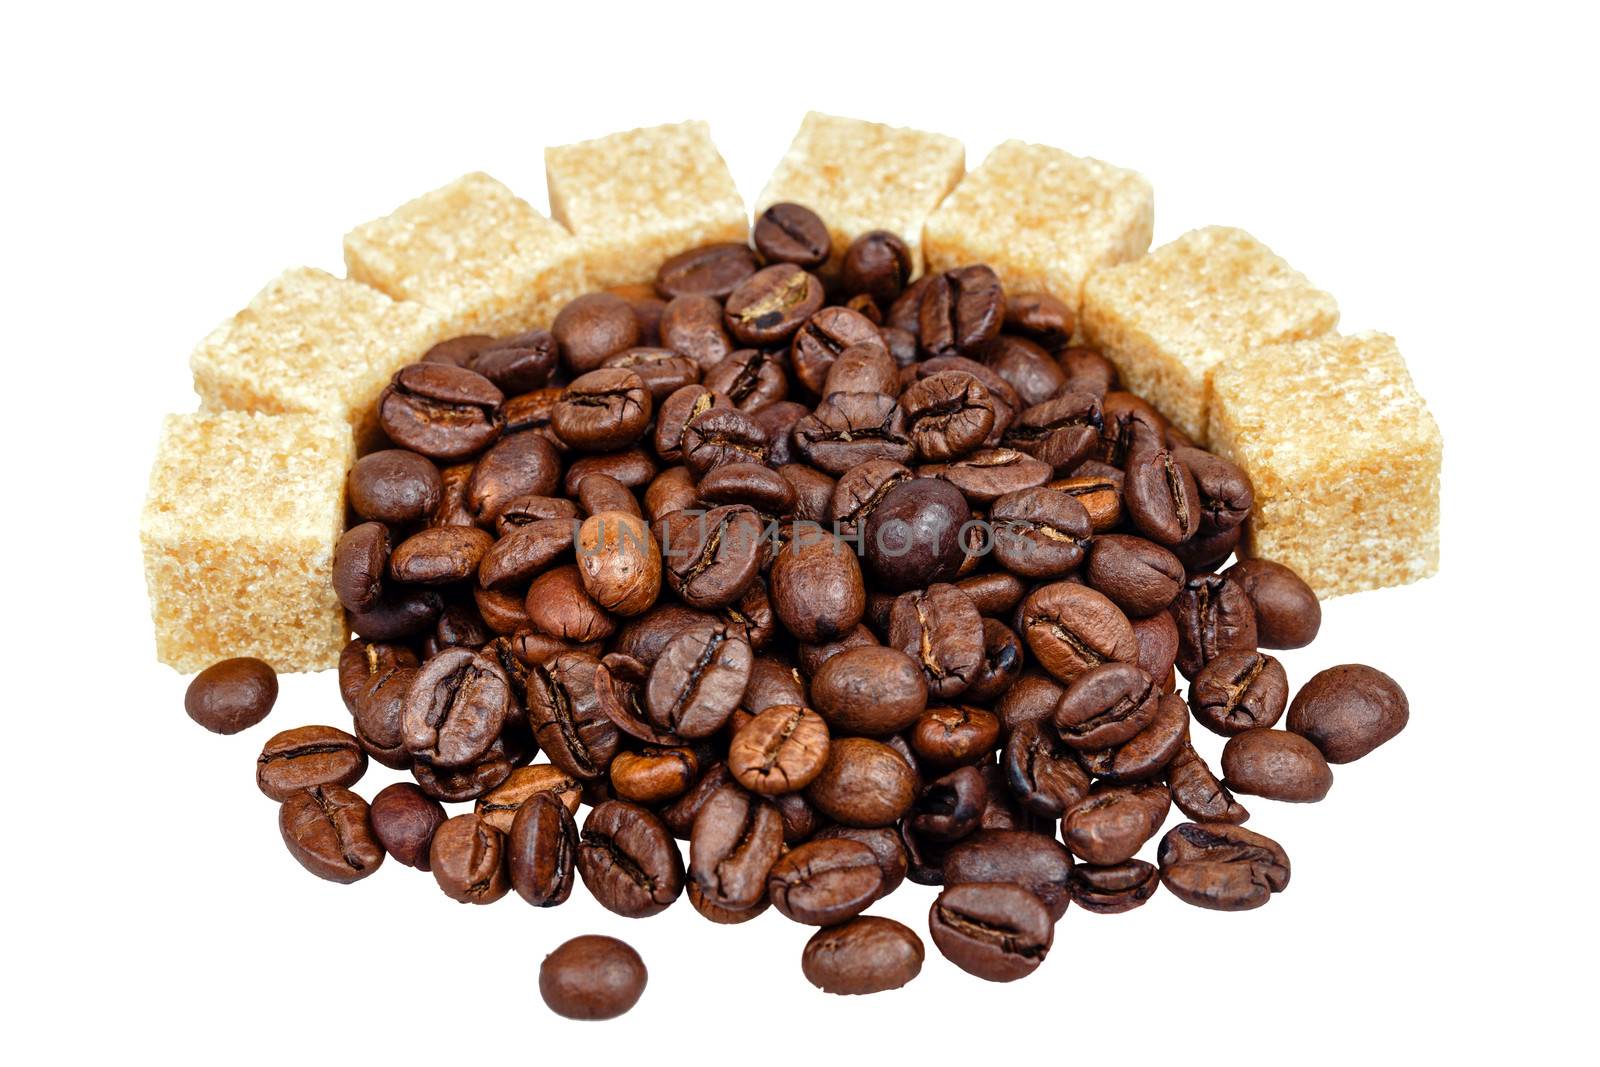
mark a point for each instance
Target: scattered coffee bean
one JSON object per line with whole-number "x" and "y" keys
{"x": 994, "y": 930}
{"x": 868, "y": 954}
{"x": 232, "y": 695}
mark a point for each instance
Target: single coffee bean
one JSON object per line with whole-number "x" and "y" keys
{"x": 771, "y": 304}
{"x": 1138, "y": 576}
{"x": 1040, "y": 533}
{"x": 950, "y": 736}
{"x": 719, "y": 436}
{"x": 542, "y": 847}
{"x": 662, "y": 370}
{"x": 498, "y": 807}
{"x": 1002, "y": 662}
{"x": 232, "y": 695}
{"x": 1161, "y": 497}
{"x": 692, "y": 325}
{"x": 817, "y": 591}
{"x": 404, "y": 820}
{"x": 863, "y": 783}
{"x": 1157, "y": 638}
{"x": 1100, "y": 495}
{"x": 826, "y": 336}
{"x": 993, "y": 930}
{"x": 1032, "y": 699}
{"x": 1198, "y": 793}
{"x": 306, "y": 757}
{"x": 822, "y": 883}
{"x": 790, "y": 233}
{"x": 864, "y": 368}
{"x": 628, "y": 860}
{"x": 1206, "y": 552}
{"x": 592, "y": 328}
{"x": 1130, "y": 427}
{"x": 1349, "y": 710}
{"x": 1114, "y": 889}
{"x": 603, "y": 410}
{"x": 940, "y": 628}
{"x": 883, "y": 841}
{"x": 848, "y": 429}
{"x": 1112, "y": 823}
{"x": 712, "y": 557}
{"x": 592, "y": 977}
{"x": 439, "y": 555}
{"x": 961, "y": 310}
{"x": 513, "y": 469}
{"x": 633, "y": 467}
{"x": 860, "y": 490}
{"x": 360, "y": 560}
{"x": 994, "y": 594}
{"x": 1041, "y": 318}
{"x": 712, "y": 270}
{"x": 990, "y": 473}
{"x": 952, "y": 806}
{"x": 1072, "y": 629}
{"x": 518, "y": 364}
{"x": 1032, "y": 373}
{"x": 364, "y": 664}
{"x": 1106, "y": 706}
{"x": 1042, "y": 772}
{"x": 398, "y": 614}
{"x": 1034, "y": 861}
{"x": 1238, "y": 691}
{"x": 565, "y": 714}
{"x": 781, "y": 750}
{"x": 868, "y": 954}
{"x": 679, "y": 816}
{"x": 1286, "y": 609}
{"x": 1213, "y": 615}
{"x": 456, "y": 706}
{"x": 441, "y": 411}
{"x": 912, "y": 532}
{"x": 672, "y": 490}
{"x": 394, "y": 486}
{"x": 947, "y": 415}
{"x": 558, "y": 605}
{"x": 877, "y": 264}
{"x": 380, "y": 716}
{"x": 654, "y": 774}
{"x": 870, "y": 690}
{"x": 619, "y": 561}
{"x": 699, "y": 680}
{"x": 327, "y": 830}
{"x": 1062, "y": 430}
{"x": 524, "y": 552}
{"x": 1277, "y": 765}
{"x": 523, "y": 511}
{"x": 468, "y": 860}
{"x": 1221, "y": 867}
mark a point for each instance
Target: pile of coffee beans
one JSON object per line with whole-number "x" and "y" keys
{"x": 844, "y": 580}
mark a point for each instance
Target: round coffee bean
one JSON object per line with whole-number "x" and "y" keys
{"x": 712, "y": 271}
{"x": 593, "y": 328}
{"x": 951, "y": 736}
{"x": 877, "y": 264}
{"x": 699, "y": 680}
{"x": 990, "y": 473}
{"x": 1213, "y": 615}
{"x": 952, "y": 806}
{"x": 863, "y": 783}
{"x": 868, "y": 954}
{"x": 518, "y": 364}
{"x": 993, "y": 930}
{"x": 628, "y": 860}
{"x": 619, "y": 561}
{"x": 404, "y": 820}
{"x": 771, "y": 304}
{"x": 817, "y": 591}
{"x": 870, "y": 690}
{"x": 693, "y": 326}
{"x": 1239, "y": 690}
{"x": 542, "y": 845}
{"x": 1277, "y": 765}
{"x": 822, "y": 883}
{"x": 1138, "y": 576}
{"x": 1112, "y": 823}
{"x": 947, "y": 415}
{"x": 394, "y": 486}
{"x": 306, "y": 757}
{"x": 1349, "y": 710}
{"x": 1072, "y": 629}
{"x": 603, "y": 410}
{"x": 439, "y": 555}
{"x": 654, "y": 774}
{"x": 360, "y": 560}
{"x": 1286, "y": 609}
{"x": 468, "y": 860}
{"x": 513, "y": 469}
{"x": 718, "y": 436}
{"x": 327, "y": 830}
{"x": 1045, "y": 320}
{"x": 1042, "y": 772}
{"x": 232, "y": 695}
{"x": 912, "y": 532}
{"x": 558, "y": 605}
{"x": 441, "y": 411}
{"x": 781, "y": 750}
{"x": 790, "y": 233}
{"x": 1221, "y": 867}
{"x": 592, "y": 977}
{"x": 1106, "y": 706}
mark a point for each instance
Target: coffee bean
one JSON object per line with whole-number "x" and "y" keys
{"x": 593, "y": 328}
{"x": 398, "y": 614}
{"x": 990, "y": 473}
{"x": 498, "y": 807}
{"x": 439, "y": 555}
{"x": 1198, "y": 793}
{"x": 468, "y": 860}
{"x": 1213, "y": 616}
{"x": 950, "y": 736}
{"x": 720, "y": 436}
{"x": 692, "y": 325}
{"x": 1106, "y": 706}
{"x": 1130, "y": 426}
{"x": 1041, "y": 771}
{"x": 751, "y": 484}
{"x": 1349, "y": 710}
{"x": 307, "y": 757}
{"x": 1061, "y": 430}
{"x": 771, "y": 304}
{"x": 961, "y": 310}
{"x": 848, "y": 429}
{"x": 1040, "y": 533}
{"x": 517, "y": 364}
{"x": 940, "y": 628}
{"x": 1034, "y": 375}
{"x": 514, "y": 468}
{"x": 1139, "y": 576}
{"x": 360, "y": 560}
{"x": 952, "y": 806}
{"x": 327, "y": 830}
{"x": 232, "y": 695}
{"x": 542, "y": 846}
{"x": 380, "y": 715}
{"x": 456, "y": 706}
{"x": 1113, "y": 822}
{"x": 1114, "y": 889}
{"x": 404, "y": 820}
{"x": 654, "y": 774}
{"x": 457, "y": 785}
{"x": 1239, "y": 690}
{"x": 1221, "y": 867}
{"x": 458, "y": 350}
{"x": 1286, "y": 609}
{"x": 603, "y": 410}
{"x": 699, "y": 680}
{"x": 1072, "y": 629}
{"x": 912, "y": 532}
{"x": 791, "y": 233}
{"x": 863, "y": 783}
{"x": 822, "y": 883}
{"x": 996, "y": 931}
{"x": 947, "y": 415}
{"x": 592, "y": 977}
{"x": 826, "y": 336}
{"x": 1277, "y": 765}
{"x": 524, "y": 552}
{"x": 1002, "y": 662}
{"x": 877, "y": 264}
{"x": 566, "y": 718}
{"x": 1035, "y": 862}
{"x": 868, "y": 954}
{"x": 870, "y": 690}
{"x": 1148, "y": 752}
{"x": 712, "y": 558}
{"x": 817, "y": 591}
{"x": 628, "y": 860}
{"x": 662, "y": 370}
{"x": 558, "y": 605}
{"x": 714, "y": 271}
{"x": 1041, "y": 318}
{"x": 619, "y": 562}
{"x": 441, "y": 411}
{"x": 1100, "y": 495}
{"x": 779, "y": 751}
{"x": 393, "y": 486}
{"x": 1161, "y": 497}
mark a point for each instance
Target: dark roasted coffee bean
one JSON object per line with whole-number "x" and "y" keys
{"x": 601, "y": 492}
{"x": 699, "y": 680}
{"x": 439, "y": 555}
{"x": 672, "y": 490}
{"x": 1130, "y": 426}
{"x": 791, "y": 233}
{"x": 870, "y": 690}
{"x": 1197, "y": 793}
{"x": 1034, "y": 861}
{"x": 712, "y": 270}
{"x": 939, "y": 628}
{"x": 453, "y": 509}
{"x": 327, "y": 830}
{"x": 961, "y": 310}
{"x": 1106, "y": 706}
{"x": 1043, "y": 773}
{"x": 993, "y": 594}
{"x": 360, "y": 560}
{"x": 781, "y": 750}
{"x": 948, "y": 736}
{"x": 679, "y": 815}
{"x": 1088, "y": 371}
{"x": 542, "y": 848}
{"x": 952, "y": 806}
{"x": 647, "y": 309}
{"x": 1226, "y": 495}
{"x": 817, "y": 591}
{"x": 774, "y": 681}
{"x": 675, "y": 413}
{"x": 364, "y": 664}
{"x": 877, "y": 264}
{"x": 458, "y": 350}
{"x": 1161, "y": 497}
{"x": 592, "y": 977}
{"x": 457, "y": 785}
{"x": 1148, "y": 752}
{"x": 1213, "y": 615}
{"x": 398, "y": 614}
{"x": 1041, "y": 318}
{"x": 822, "y": 883}
{"x": 993, "y": 930}
{"x": 863, "y": 783}
{"x": 633, "y": 467}
{"x": 947, "y": 415}
{"x": 1100, "y": 495}
{"x": 771, "y": 304}
{"x": 525, "y": 551}
{"x": 1032, "y": 699}
{"x": 712, "y": 558}
{"x": 692, "y": 325}
{"x": 498, "y": 807}
{"x": 1115, "y": 889}
{"x": 1239, "y": 690}
{"x": 868, "y": 954}
{"x": 912, "y": 533}
{"x": 1072, "y": 629}
{"x": 526, "y": 510}
{"x": 1138, "y": 576}
{"x": 1061, "y": 430}
{"x": 884, "y": 843}
{"x": 751, "y": 378}
{"x": 618, "y": 561}
{"x": 1277, "y": 765}
{"x": 990, "y": 473}
{"x": 518, "y": 364}
{"x": 558, "y": 605}
{"x": 1349, "y": 710}
{"x": 1157, "y": 638}
{"x": 720, "y": 436}
{"x": 861, "y": 489}
{"x": 566, "y": 718}
{"x": 394, "y": 486}
{"x": 404, "y": 820}
{"x": 603, "y": 410}
{"x": 823, "y": 338}
{"x": 653, "y": 775}
{"x": 1039, "y": 533}
{"x": 468, "y": 860}
{"x": 1112, "y": 823}
{"x": 1286, "y": 609}
{"x": 628, "y": 860}
{"x": 456, "y": 706}
{"x": 777, "y": 421}
{"x": 1222, "y": 867}
{"x": 848, "y": 429}
{"x": 441, "y": 411}
{"x": 592, "y": 328}
{"x": 530, "y": 413}
{"x": 662, "y": 370}
{"x": 1002, "y": 662}
{"x": 906, "y": 311}
{"x": 232, "y": 695}
{"x": 751, "y": 484}
{"x": 863, "y": 369}
{"x": 306, "y": 757}
{"x": 1030, "y": 370}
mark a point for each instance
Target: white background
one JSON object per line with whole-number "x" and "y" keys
{"x": 1432, "y": 170}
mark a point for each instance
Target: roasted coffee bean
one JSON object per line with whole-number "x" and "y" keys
{"x": 1213, "y": 615}
{"x": 1032, "y": 698}
{"x": 861, "y": 489}
{"x": 1277, "y": 765}
{"x": 777, "y": 421}
{"x": 823, "y": 338}
{"x": 327, "y": 830}
{"x": 851, "y": 428}
{"x": 781, "y": 750}
{"x": 1239, "y": 690}
{"x": 733, "y": 845}
{"x": 1071, "y": 629}
{"x": 457, "y": 785}
{"x": 822, "y": 883}
{"x": 1100, "y": 495}
{"x": 863, "y": 783}
{"x": 877, "y": 264}
{"x": 1222, "y": 867}
{"x": 870, "y": 690}
{"x": 1034, "y": 861}
{"x": 662, "y": 370}
{"x": 816, "y": 587}
{"x": 1161, "y": 497}
{"x": 712, "y": 558}
{"x": 712, "y": 270}
{"x": 394, "y": 486}
{"x": 628, "y": 860}
{"x": 404, "y": 819}
{"x": 912, "y": 533}
{"x": 996, "y": 593}
{"x": 439, "y": 555}
{"x": 592, "y": 977}
{"x": 863, "y": 369}
{"x": 524, "y": 552}
{"x": 868, "y": 954}
{"x": 633, "y": 467}
{"x": 542, "y": 847}
{"x": 468, "y": 860}
{"x": 460, "y": 626}
{"x": 1040, "y": 533}
{"x": 947, "y": 415}
{"x": 813, "y": 656}
{"x": 1032, "y": 373}
{"x": 791, "y": 233}
{"x": 1042, "y": 772}
{"x": 751, "y": 484}
{"x": 530, "y": 413}
{"x": 360, "y": 560}
{"x": 905, "y": 312}
{"x": 924, "y": 856}
{"x": 232, "y": 695}
{"x": 380, "y": 716}
{"x": 939, "y": 628}
{"x": 1112, "y": 823}
{"x": 566, "y": 718}
{"x": 592, "y": 328}
{"x": 1138, "y": 576}
{"x": 1197, "y": 792}
{"x": 452, "y": 509}
{"x": 699, "y": 680}
{"x": 364, "y": 664}
{"x": 647, "y": 309}
{"x": 398, "y": 614}
{"x": 961, "y": 310}
{"x": 1088, "y": 371}
{"x": 952, "y": 806}
{"x": 771, "y": 304}
{"x": 306, "y": 757}
{"x": 949, "y": 736}
{"x": 1286, "y": 609}
{"x": 1002, "y": 662}
{"x": 1149, "y": 751}
{"x": 884, "y": 843}
{"x": 456, "y": 706}
{"x": 441, "y": 411}
{"x": 1041, "y": 318}
{"x": 1130, "y": 426}
{"x": 518, "y": 364}
{"x": 1061, "y": 430}
{"x": 672, "y": 490}
{"x": 692, "y": 325}
{"x": 751, "y": 378}
{"x": 523, "y": 511}
{"x": 1106, "y": 706}
{"x": 654, "y": 774}
{"x": 498, "y": 807}
{"x": 601, "y": 492}
{"x": 558, "y": 605}
{"x": 517, "y": 467}
{"x": 1157, "y": 638}
{"x": 1114, "y": 889}
{"x": 619, "y": 562}
{"x": 993, "y": 930}
{"x": 1226, "y": 495}
{"x": 679, "y": 815}
{"x": 990, "y": 473}
{"x": 458, "y": 351}
{"x": 603, "y": 410}
{"x": 1349, "y": 710}
{"x": 719, "y": 436}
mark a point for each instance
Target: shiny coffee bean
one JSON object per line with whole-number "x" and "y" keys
{"x": 328, "y": 832}
{"x": 1213, "y": 615}
{"x": 441, "y": 411}
{"x": 1041, "y": 318}
{"x": 592, "y": 977}
{"x": 816, "y": 586}
{"x": 948, "y": 736}
{"x": 823, "y": 338}
{"x": 868, "y": 954}
{"x": 951, "y": 807}
{"x": 735, "y": 840}
{"x": 947, "y": 415}
{"x": 940, "y": 628}
{"x": 498, "y": 807}
{"x": 603, "y": 410}
{"x": 771, "y": 304}
{"x": 1034, "y": 861}
{"x": 1040, "y": 533}
{"x": 565, "y": 714}
{"x": 1042, "y": 772}
{"x": 628, "y": 860}
{"x": 988, "y": 474}
{"x": 1277, "y": 765}
{"x": 714, "y": 271}
{"x": 1286, "y": 609}
{"x": 848, "y": 429}
{"x": 541, "y": 848}
{"x": 1198, "y": 793}
{"x": 232, "y": 695}
{"x": 468, "y": 860}
{"x": 439, "y": 555}
{"x": 791, "y": 233}
{"x": 751, "y": 378}
{"x": 712, "y": 557}
{"x": 1238, "y": 691}
{"x": 1113, "y": 822}
{"x": 720, "y": 436}
{"x": 456, "y": 706}
{"x": 1349, "y": 710}
{"x": 404, "y": 820}
{"x": 1138, "y": 576}
{"x": 912, "y": 532}
{"x": 619, "y": 562}
{"x": 699, "y": 680}
{"x": 1114, "y": 889}
{"x": 307, "y": 757}
{"x": 1106, "y": 706}
{"x": 870, "y": 690}
{"x": 1034, "y": 375}
{"x": 1100, "y": 495}
{"x": 518, "y": 364}
{"x": 863, "y": 783}
{"x": 1071, "y": 629}
{"x": 360, "y": 561}
{"x": 1221, "y": 867}
{"x": 993, "y": 930}
{"x": 822, "y": 883}
{"x": 692, "y": 326}
{"x": 781, "y": 750}
{"x": 593, "y": 328}
{"x": 877, "y": 264}
{"x": 394, "y": 486}
{"x": 961, "y": 310}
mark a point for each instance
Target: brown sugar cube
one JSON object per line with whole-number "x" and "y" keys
{"x": 238, "y": 530}
{"x": 860, "y": 176}
{"x": 1344, "y": 456}
{"x": 1168, "y": 319}
{"x": 312, "y": 343}
{"x": 473, "y": 252}
{"x": 1043, "y": 219}
{"x": 637, "y": 198}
